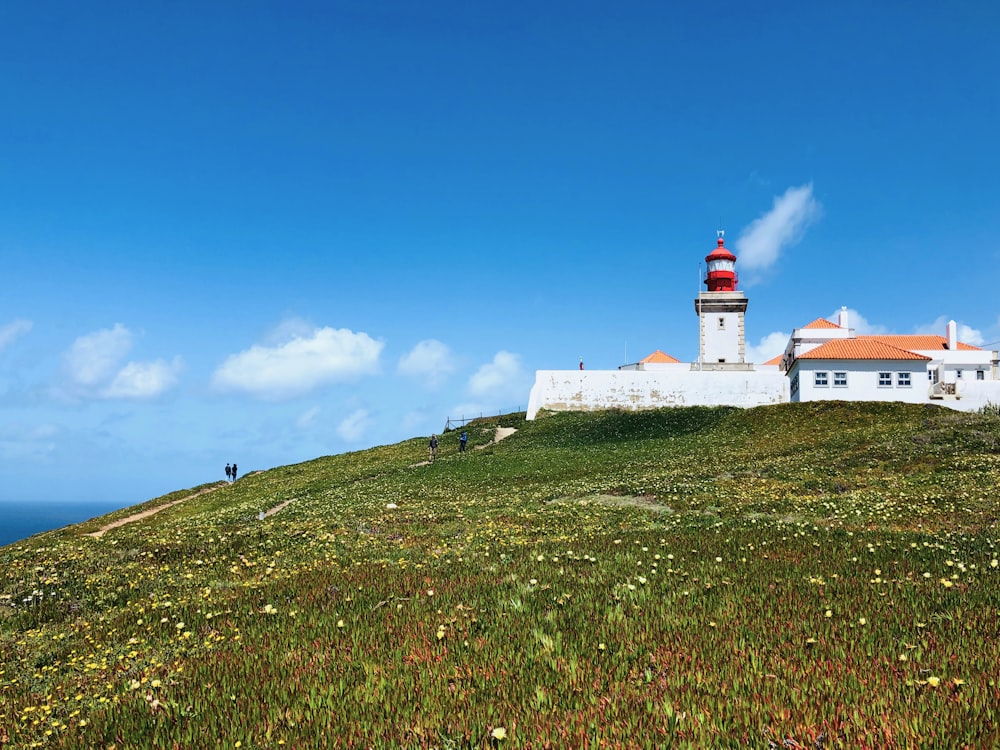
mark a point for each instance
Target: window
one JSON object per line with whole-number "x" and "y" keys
{"x": 722, "y": 359}
{"x": 840, "y": 380}
{"x": 722, "y": 324}
{"x": 795, "y": 384}
{"x": 885, "y": 380}
{"x": 958, "y": 374}
{"x": 903, "y": 379}
{"x": 980, "y": 375}
{"x": 930, "y": 375}
{"x": 821, "y": 380}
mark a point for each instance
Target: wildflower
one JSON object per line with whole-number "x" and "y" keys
{"x": 933, "y": 681}
{"x": 499, "y": 733}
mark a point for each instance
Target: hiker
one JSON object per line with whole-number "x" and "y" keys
{"x": 433, "y": 446}
{"x": 229, "y": 473}
{"x": 234, "y": 472}
{"x": 462, "y": 440}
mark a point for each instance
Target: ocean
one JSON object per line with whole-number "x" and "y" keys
{"x": 19, "y": 520}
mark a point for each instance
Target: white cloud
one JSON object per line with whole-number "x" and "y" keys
{"x": 92, "y": 359}
{"x": 353, "y": 427}
{"x": 430, "y": 360}
{"x": 770, "y": 346}
{"x": 307, "y": 418}
{"x": 140, "y": 380}
{"x": 500, "y": 381}
{"x": 11, "y": 331}
{"x": 859, "y": 323}
{"x": 300, "y": 365}
{"x": 760, "y": 243}
{"x": 93, "y": 363}
{"x": 966, "y": 334}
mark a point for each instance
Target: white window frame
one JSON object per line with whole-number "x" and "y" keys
{"x": 980, "y": 375}
{"x": 903, "y": 380}
{"x": 821, "y": 379}
{"x": 840, "y": 380}
{"x": 884, "y": 379}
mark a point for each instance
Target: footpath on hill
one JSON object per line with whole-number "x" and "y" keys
{"x": 500, "y": 433}
{"x": 147, "y": 513}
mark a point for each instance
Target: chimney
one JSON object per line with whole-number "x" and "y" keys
{"x": 952, "y": 335}
{"x": 842, "y": 317}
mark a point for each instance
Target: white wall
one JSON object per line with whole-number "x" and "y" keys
{"x": 593, "y": 390}
{"x": 862, "y": 381}
{"x": 721, "y": 343}
{"x": 862, "y": 384}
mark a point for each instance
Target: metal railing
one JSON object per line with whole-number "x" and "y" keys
{"x": 453, "y": 423}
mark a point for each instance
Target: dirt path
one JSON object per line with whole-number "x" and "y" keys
{"x": 500, "y": 434}
{"x": 146, "y": 513}
{"x": 275, "y": 509}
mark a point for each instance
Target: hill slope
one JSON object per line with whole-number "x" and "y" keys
{"x": 708, "y": 577}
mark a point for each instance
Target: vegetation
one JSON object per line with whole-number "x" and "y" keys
{"x": 807, "y": 575}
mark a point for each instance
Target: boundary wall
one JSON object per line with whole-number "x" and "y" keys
{"x": 673, "y": 385}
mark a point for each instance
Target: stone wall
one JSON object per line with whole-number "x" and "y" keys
{"x": 673, "y": 385}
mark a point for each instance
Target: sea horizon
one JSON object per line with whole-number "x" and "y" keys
{"x": 20, "y": 519}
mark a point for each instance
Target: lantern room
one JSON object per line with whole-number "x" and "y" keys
{"x": 721, "y": 263}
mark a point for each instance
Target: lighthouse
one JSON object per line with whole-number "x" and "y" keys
{"x": 721, "y": 309}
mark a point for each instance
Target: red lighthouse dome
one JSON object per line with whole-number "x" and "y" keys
{"x": 721, "y": 268}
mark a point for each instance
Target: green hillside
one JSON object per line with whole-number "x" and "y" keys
{"x": 823, "y": 574}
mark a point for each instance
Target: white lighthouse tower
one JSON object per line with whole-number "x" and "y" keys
{"x": 721, "y": 310}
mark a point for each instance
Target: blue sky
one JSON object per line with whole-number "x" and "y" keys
{"x": 263, "y": 232}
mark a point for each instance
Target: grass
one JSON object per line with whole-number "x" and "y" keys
{"x": 823, "y": 574}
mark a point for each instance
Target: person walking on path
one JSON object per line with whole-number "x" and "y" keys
{"x": 462, "y": 440}
{"x": 234, "y": 471}
{"x": 433, "y": 445}
{"x": 229, "y": 473}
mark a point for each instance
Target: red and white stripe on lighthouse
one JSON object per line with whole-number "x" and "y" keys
{"x": 721, "y": 268}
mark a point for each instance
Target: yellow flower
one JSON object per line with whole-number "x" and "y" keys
{"x": 933, "y": 681}
{"x": 499, "y": 733}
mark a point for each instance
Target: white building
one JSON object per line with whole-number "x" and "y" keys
{"x": 822, "y": 361}
{"x": 827, "y": 361}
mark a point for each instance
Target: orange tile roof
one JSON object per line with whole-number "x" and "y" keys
{"x": 863, "y": 347}
{"x": 659, "y": 357}
{"x": 821, "y": 323}
{"x": 775, "y": 360}
{"x": 923, "y": 342}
